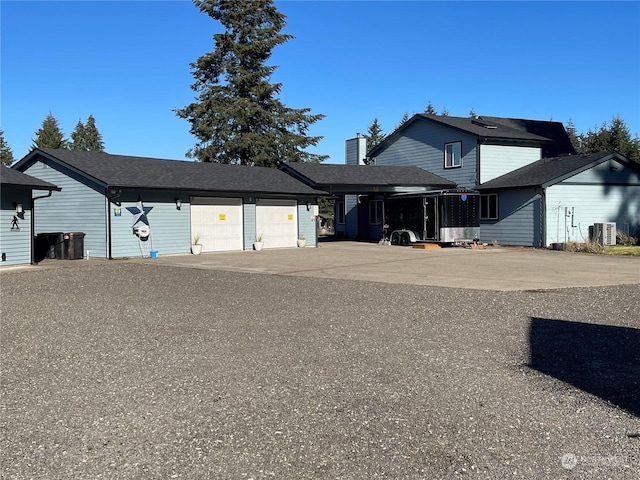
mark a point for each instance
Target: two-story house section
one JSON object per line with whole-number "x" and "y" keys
{"x": 470, "y": 151}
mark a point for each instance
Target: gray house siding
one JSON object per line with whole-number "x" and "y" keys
{"x": 519, "y": 219}
{"x": 351, "y": 216}
{"x": 249, "y": 219}
{"x": 496, "y": 160}
{"x": 307, "y": 221}
{"x": 15, "y": 243}
{"x": 424, "y": 147}
{"x": 170, "y": 227}
{"x": 77, "y": 208}
{"x": 589, "y": 204}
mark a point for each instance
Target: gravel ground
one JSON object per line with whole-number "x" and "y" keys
{"x": 122, "y": 371}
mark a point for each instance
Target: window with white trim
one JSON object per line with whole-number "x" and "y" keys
{"x": 489, "y": 206}
{"x": 376, "y": 212}
{"x": 453, "y": 155}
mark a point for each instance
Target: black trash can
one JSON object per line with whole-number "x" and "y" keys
{"x": 74, "y": 245}
{"x": 49, "y": 245}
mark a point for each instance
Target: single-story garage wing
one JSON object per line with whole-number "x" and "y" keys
{"x": 129, "y": 206}
{"x": 16, "y": 214}
{"x": 557, "y": 200}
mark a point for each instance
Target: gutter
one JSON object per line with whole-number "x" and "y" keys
{"x": 109, "y": 201}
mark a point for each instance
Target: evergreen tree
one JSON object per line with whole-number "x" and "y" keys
{"x": 93, "y": 138}
{"x": 86, "y": 137}
{"x": 573, "y": 135}
{"x": 403, "y": 120}
{"x": 237, "y": 117}
{"x": 374, "y": 135}
{"x": 78, "y": 142}
{"x": 429, "y": 110}
{"x": 6, "y": 155}
{"x": 49, "y": 135}
{"x": 445, "y": 112}
{"x": 611, "y": 138}
{"x": 472, "y": 113}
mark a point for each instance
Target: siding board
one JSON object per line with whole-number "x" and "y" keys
{"x": 15, "y": 244}
{"x": 424, "y": 147}
{"x": 496, "y": 160}
{"x": 77, "y": 208}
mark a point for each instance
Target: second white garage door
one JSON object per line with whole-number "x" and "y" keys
{"x": 219, "y": 223}
{"x": 277, "y": 220}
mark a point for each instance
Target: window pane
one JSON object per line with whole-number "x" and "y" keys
{"x": 453, "y": 155}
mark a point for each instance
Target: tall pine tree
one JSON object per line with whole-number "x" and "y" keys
{"x": 6, "y": 155}
{"x": 429, "y": 110}
{"x": 93, "y": 138}
{"x": 78, "y": 138}
{"x": 374, "y": 134}
{"x": 86, "y": 137}
{"x": 50, "y": 135}
{"x": 238, "y": 118}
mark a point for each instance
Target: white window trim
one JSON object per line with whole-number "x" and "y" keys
{"x": 455, "y": 150}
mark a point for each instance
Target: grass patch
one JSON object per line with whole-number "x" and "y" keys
{"x": 632, "y": 250}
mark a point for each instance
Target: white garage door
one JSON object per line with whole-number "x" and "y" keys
{"x": 277, "y": 220}
{"x": 219, "y": 223}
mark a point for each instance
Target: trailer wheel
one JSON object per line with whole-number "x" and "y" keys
{"x": 395, "y": 238}
{"x": 405, "y": 239}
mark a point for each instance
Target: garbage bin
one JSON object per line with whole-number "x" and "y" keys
{"x": 49, "y": 245}
{"x": 74, "y": 245}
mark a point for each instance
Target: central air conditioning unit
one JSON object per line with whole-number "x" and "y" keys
{"x": 604, "y": 233}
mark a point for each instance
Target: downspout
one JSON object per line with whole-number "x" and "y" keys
{"x": 109, "y": 199}
{"x": 33, "y": 224}
{"x": 543, "y": 217}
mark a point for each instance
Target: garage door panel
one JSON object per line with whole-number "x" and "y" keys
{"x": 219, "y": 222}
{"x": 277, "y": 221}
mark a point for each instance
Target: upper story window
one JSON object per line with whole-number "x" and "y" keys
{"x": 453, "y": 155}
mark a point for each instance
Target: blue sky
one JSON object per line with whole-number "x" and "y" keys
{"x": 127, "y": 64}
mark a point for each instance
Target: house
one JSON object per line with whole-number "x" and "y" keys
{"x": 131, "y": 206}
{"x": 559, "y": 199}
{"x": 493, "y": 155}
{"x": 360, "y": 190}
{"x": 17, "y": 206}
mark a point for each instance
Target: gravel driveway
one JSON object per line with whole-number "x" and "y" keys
{"x": 129, "y": 370}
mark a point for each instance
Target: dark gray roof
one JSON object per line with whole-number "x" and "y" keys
{"x": 548, "y": 171}
{"x": 561, "y": 144}
{"x": 8, "y": 176}
{"x": 484, "y": 128}
{"x": 323, "y": 175}
{"x": 120, "y": 171}
{"x": 480, "y": 126}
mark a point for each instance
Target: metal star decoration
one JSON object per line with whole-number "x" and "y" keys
{"x": 140, "y": 213}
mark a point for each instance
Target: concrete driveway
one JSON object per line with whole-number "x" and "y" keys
{"x": 493, "y": 268}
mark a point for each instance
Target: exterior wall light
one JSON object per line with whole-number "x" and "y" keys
{"x": 178, "y": 204}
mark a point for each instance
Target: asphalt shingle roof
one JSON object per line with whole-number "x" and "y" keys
{"x": 120, "y": 171}
{"x": 8, "y": 176}
{"x": 561, "y": 144}
{"x": 546, "y": 171}
{"x": 477, "y": 126}
{"x": 507, "y": 129}
{"x": 322, "y": 175}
